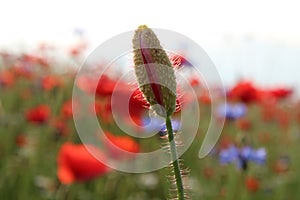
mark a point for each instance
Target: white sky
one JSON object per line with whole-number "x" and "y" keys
{"x": 210, "y": 23}
{"x": 36, "y": 20}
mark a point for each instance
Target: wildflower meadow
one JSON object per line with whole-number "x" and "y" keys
{"x": 43, "y": 155}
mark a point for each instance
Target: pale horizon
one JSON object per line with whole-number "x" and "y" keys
{"x": 251, "y": 39}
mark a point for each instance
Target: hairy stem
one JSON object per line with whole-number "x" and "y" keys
{"x": 175, "y": 163}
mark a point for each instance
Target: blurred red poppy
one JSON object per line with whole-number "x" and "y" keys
{"x": 243, "y": 124}
{"x": 77, "y": 49}
{"x": 23, "y": 70}
{"x": 38, "y": 114}
{"x": 96, "y": 108}
{"x": 205, "y": 98}
{"x": 50, "y": 82}
{"x": 226, "y": 141}
{"x": 86, "y": 84}
{"x": 178, "y": 60}
{"x": 105, "y": 86}
{"x": 194, "y": 81}
{"x": 138, "y": 102}
{"x": 125, "y": 143}
{"x": 7, "y": 78}
{"x": 244, "y": 91}
{"x": 106, "y": 114}
{"x": 77, "y": 164}
{"x": 68, "y": 108}
{"x": 252, "y": 184}
{"x": 35, "y": 59}
{"x": 136, "y": 107}
{"x": 281, "y": 93}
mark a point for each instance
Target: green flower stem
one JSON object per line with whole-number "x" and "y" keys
{"x": 178, "y": 178}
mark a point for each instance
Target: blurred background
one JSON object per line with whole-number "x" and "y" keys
{"x": 255, "y": 46}
{"x": 254, "y": 39}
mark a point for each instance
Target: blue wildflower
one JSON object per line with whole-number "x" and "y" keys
{"x": 258, "y": 156}
{"x": 153, "y": 124}
{"x": 232, "y": 111}
{"x": 242, "y": 156}
{"x": 228, "y": 155}
{"x": 175, "y": 125}
{"x": 157, "y": 124}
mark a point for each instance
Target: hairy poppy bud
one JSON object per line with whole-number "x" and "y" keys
{"x": 154, "y": 71}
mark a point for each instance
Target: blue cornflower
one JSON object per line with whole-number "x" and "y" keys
{"x": 242, "y": 156}
{"x": 157, "y": 124}
{"x": 175, "y": 125}
{"x": 232, "y": 111}
{"x": 153, "y": 124}
{"x": 258, "y": 156}
{"x": 228, "y": 155}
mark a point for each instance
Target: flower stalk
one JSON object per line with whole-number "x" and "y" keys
{"x": 156, "y": 78}
{"x": 175, "y": 163}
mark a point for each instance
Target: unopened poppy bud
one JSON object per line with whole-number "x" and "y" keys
{"x": 154, "y": 71}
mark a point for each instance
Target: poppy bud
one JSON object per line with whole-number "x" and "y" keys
{"x": 154, "y": 71}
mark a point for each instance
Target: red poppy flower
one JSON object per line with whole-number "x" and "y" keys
{"x": 244, "y": 91}
{"x": 77, "y": 49}
{"x": 76, "y": 163}
{"x": 105, "y": 86}
{"x": 205, "y": 99}
{"x": 243, "y": 124}
{"x": 34, "y": 59}
{"x": 50, "y": 82}
{"x": 252, "y": 184}
{"x": 96, "y": 108}
{"x": 23, "y": 70}
{"x": 85, "y": 83}
{"x": 281, "y": 93}
{"x": 194, "y": 81}
{"x": 125, "y": 143}
{"x": 7, "y": 78}
{"x": 68, "y": 108}
{"x": 226, "y": 141}
{"x": 136, "y": 107}
{"x": 178, "y": 60}
{"x": 138, "y": 101}
{"x": 106, "y": 114}
{"x": 39, "y": 114}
